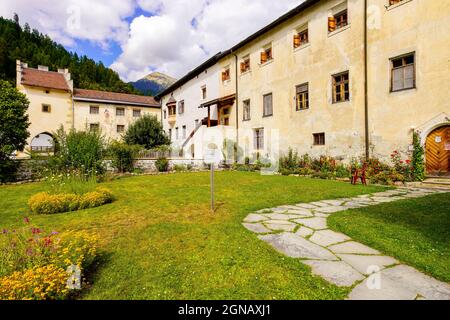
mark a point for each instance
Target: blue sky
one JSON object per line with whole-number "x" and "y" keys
{"x": 137, "y": 37}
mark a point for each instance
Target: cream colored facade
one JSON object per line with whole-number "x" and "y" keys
{"x": 53, "y": 107}
{"x": 418, "y": 27}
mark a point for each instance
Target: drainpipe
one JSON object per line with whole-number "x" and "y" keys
{"x": 366, "y": 80}
{"x": 237, "y": 108}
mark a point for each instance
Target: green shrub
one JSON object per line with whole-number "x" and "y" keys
{"x": 180, "y": 167}
{"x": 148, "y": 132}
{"x": 78, "y": 150}
{"x": 417, "y": 162}
{"x": 46, "y": 203}
{"x": 162, "y": 165}
{"x": 289, "y": 162}
{"x": 122, "y": 155}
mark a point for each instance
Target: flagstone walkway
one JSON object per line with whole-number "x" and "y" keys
{"x": 300, "y": 231}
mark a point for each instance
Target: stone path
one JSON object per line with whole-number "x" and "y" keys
{"x": 301, "y": 231}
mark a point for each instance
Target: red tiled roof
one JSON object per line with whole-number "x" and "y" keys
{"x": 44, "y": 79}
{"x": 94, "y": 95}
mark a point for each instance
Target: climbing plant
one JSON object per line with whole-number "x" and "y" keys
{"x": 417, "y": 161}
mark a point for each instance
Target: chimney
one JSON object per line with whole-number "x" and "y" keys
{"x": 42, "y": 68}
{"x": 68, "y": 77}
{"x": 19, "y": 67}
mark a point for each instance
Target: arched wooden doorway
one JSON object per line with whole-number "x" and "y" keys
{"x": 438, "y": 152}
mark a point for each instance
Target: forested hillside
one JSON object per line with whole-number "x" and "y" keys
{"x": 34, "y": 48}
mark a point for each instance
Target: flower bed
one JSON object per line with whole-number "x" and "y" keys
{"x": 46, "y": 203}
{"x": 35, "y": 265}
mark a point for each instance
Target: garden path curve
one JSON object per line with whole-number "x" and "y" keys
{"x": 300, "y": 231}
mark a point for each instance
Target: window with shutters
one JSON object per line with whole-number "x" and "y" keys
{"x": 302, "y": 97}
{"x": 258, "y": 142}
{"x": 403, "y": 75}
{"x": 341, "y": 87}
{"x": 94, "y": 109}
{"x": 301, "y": 38}
{"x": 267, "y": 105}
{"x": 46, "y": 108}
{"x": 120, "y": 112}
{"x": 226, "y": 76}
{"x": 245, "y": 64}
{"x": 319, "y": 139}
{"x": 181, "y": 107}
{"x": 246, "y": 108}
{"x": 266, "y": 54}
{"x": 338, "y": 21}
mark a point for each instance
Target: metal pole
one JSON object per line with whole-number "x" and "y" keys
{"x": 212, "y": 187}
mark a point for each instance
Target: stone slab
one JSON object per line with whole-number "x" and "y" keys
{"x": 333, "y": 202}
{"x": 331, "y": 209}
{"x": 337, "y": 272}
{"x": 306, "y": 206}
{"x": 255, "y": 218}
{"x": 353, "y": 247}
{"x": 295, "y": 246}
{"x": 319, "y": 204}
{"x": 280, "y": 227}
{"x": 364, "y": 264}
{"x": 326, "y": 238}
{"x": 256, "y": 227}
{"x": 304, "y": 232}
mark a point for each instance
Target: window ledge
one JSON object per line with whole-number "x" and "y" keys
{"x": 403, "y": 90}
{"x": 266, "y": 63}
{"x": 226, "y": 82}
{"x": 300, "y": 110}
{"x": 246, "y": 120}
{"x": 245, "y": 72}
{"x": 268, "y": 116}
{"x": 393, "y": 6}
{"x": 330, "y": 34}
{"x": 304, "y": 46}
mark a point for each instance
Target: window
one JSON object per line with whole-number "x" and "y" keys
{"x": 301, "y": 38}
{"x": 392, "y": 2}
{"x": 94, "y": 110}
{"x": 319, "y": 139}
{"x": 246, "y": 110}
{"x": 196, "y": 123}
{"x": 403, "y": 75}
{"x": 226, "y": 74}
{"x": 302, "y": 97}
{"x": 172, "y": 110}
{"x": 341, "y": 89}
{"x": 94, "y": 127}
{"x": 176, "y": 133}
{"x": 120, "y": 112}
{"x": 266, "y": 54}
{"x": 184, "y": 132}
{"x": 338, "y": 21}
{"x": 204, "y": 92}
{"x": 120, "y": 128}
{"x": 165, "y": 114}
{"x": 245, "y": 64}
{"x": 46, "y": 108}
{"x": 259, "y": 139}
{"x": 181, "y": 107}
{"x": 267, "y": 105}
{"x": 136, "y": 113}
{"x": 170, "y": 134}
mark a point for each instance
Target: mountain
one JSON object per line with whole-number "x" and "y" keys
{"x": 153, "y": 83}
{"x": 35, "y": 48}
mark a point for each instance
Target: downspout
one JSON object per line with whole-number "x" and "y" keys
{"x": 237, "y": 109}
{"x": 366, "y": 80}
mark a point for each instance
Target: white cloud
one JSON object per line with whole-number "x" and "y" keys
{"x": 183, "y": 33}
{"x": 99, "y": 21}
{"x": 173, "y": 36}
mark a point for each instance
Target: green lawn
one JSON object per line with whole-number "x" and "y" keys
{"x": 416, "y": 232}
{"x": 162, "y": 242}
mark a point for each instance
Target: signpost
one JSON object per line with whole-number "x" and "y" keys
{"x": 211, "y": 157}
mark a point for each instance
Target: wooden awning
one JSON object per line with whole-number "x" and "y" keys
{"x": 227, "y": 100}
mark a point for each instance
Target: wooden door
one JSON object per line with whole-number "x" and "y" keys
{"x": 438, "y": 152}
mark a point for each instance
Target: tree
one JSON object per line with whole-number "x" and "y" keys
{"x": 13, "y": 126}
{"x": 147, "y": 132}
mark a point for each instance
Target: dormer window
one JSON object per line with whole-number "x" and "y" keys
{"x": 266, "y": 54}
